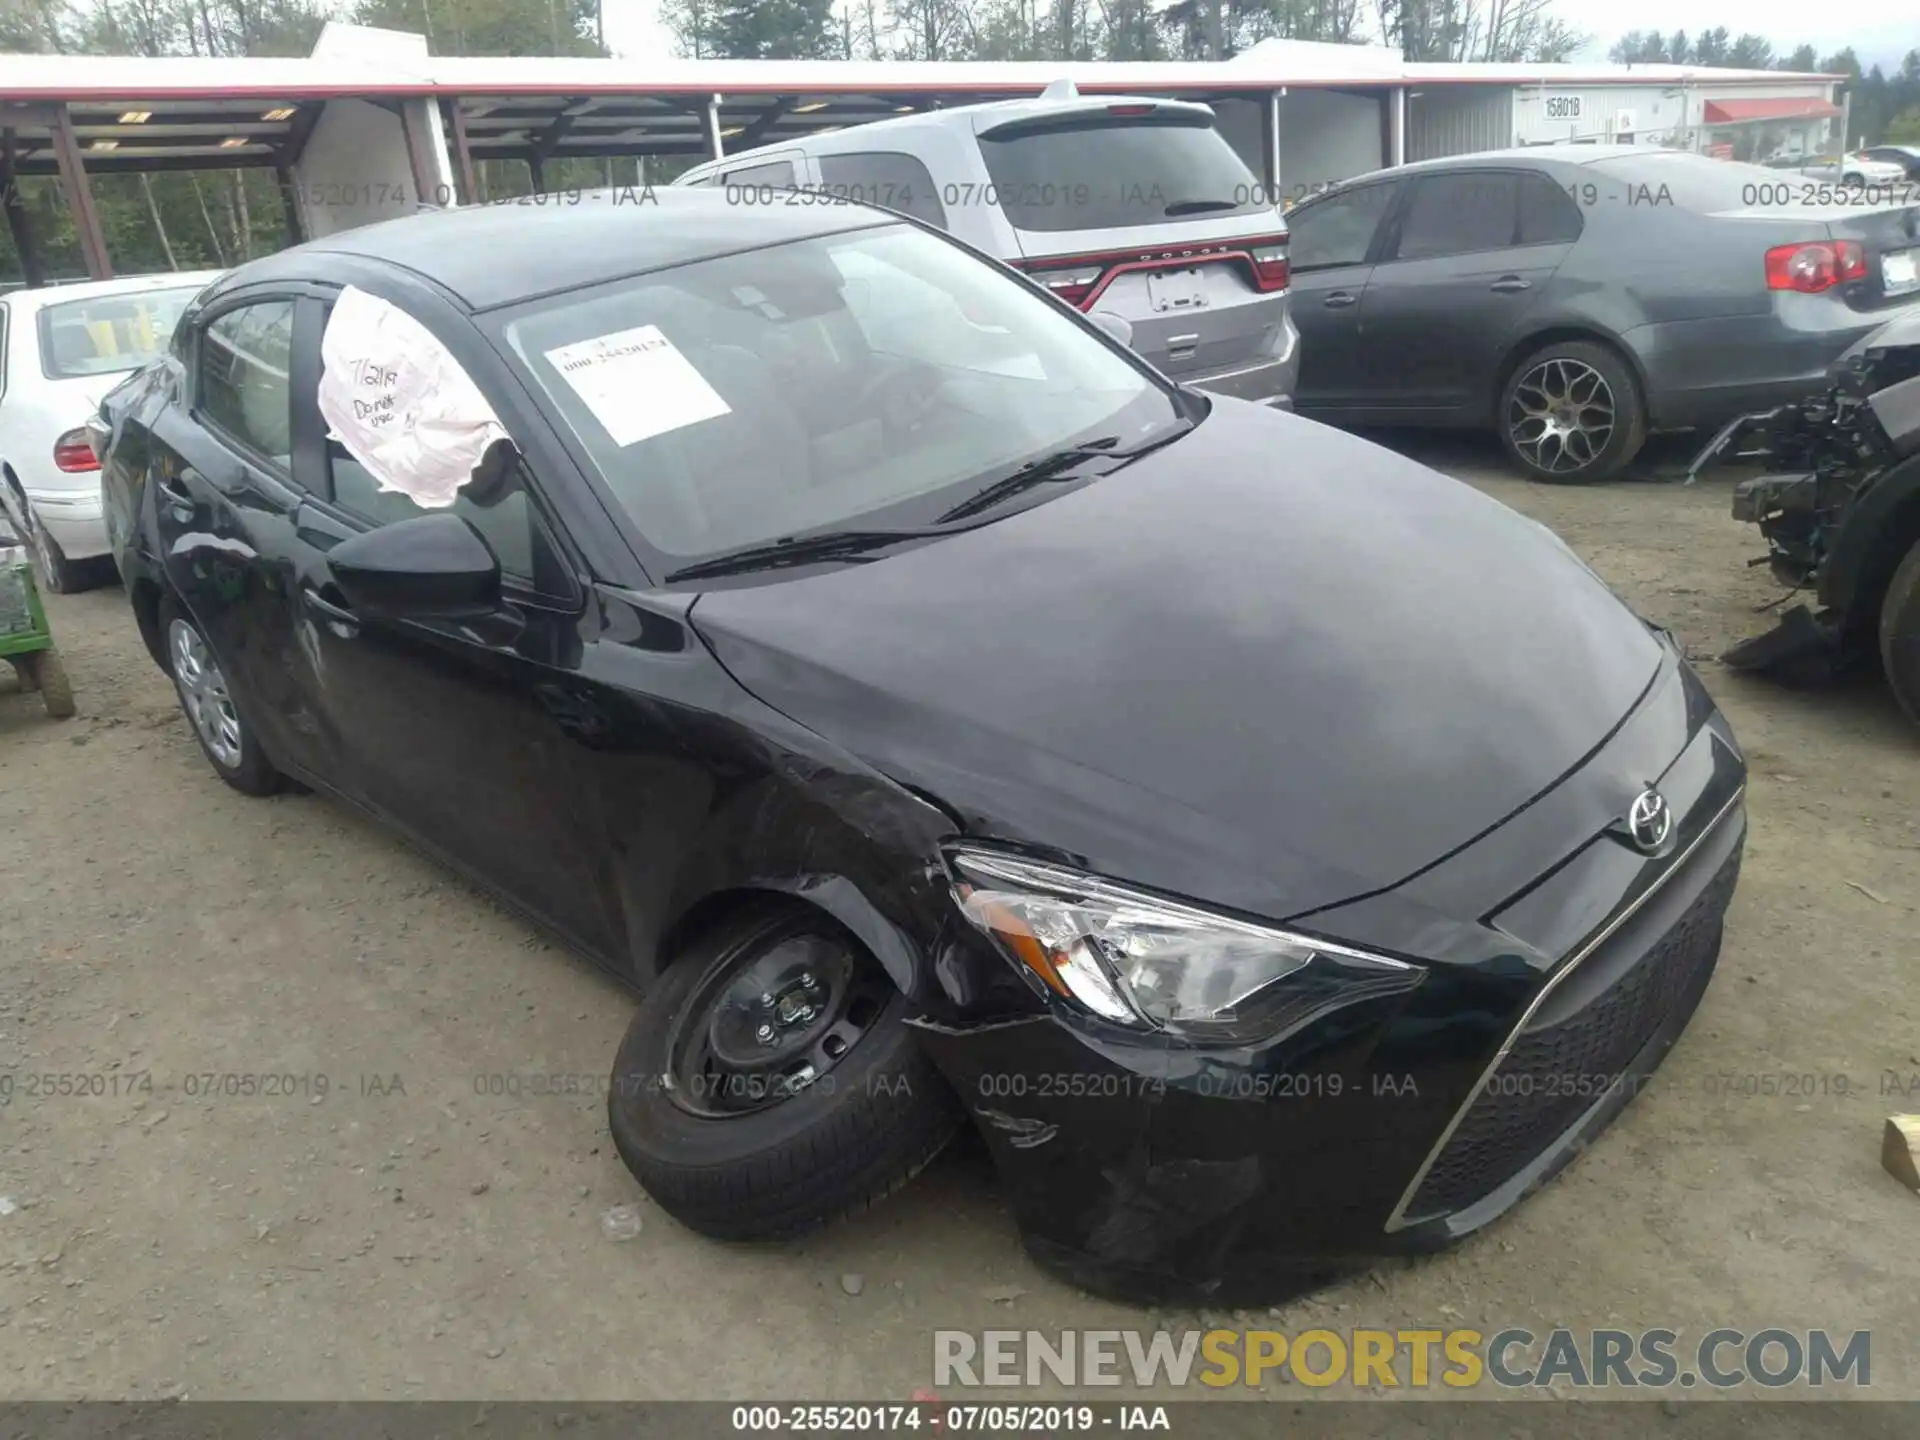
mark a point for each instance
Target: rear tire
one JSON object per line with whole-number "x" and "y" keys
{"x": 1900, "y": 634}
{"x": 213, "y": 714}
{"x": 743, "y": 1153}
{"x": 1571, "y": 414}
{"x": 52, "y": 570}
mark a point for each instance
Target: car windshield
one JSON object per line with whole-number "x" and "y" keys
{"x": 106, "y": 334}
{"x": 871, "y": 378}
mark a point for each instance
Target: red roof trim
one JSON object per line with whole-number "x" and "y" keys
{"x": 1800, "y": 107}
{"x": 1225, "y": 84}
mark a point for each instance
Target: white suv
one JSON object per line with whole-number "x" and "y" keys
{"x": 1124, "y": 206}
{"x": 62, "y": 348}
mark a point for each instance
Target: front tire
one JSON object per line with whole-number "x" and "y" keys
{"x": 1571, "y": 414}
{"x": 225, "y": 738}
{"x": 770, "y": 1084}
{"x": 1900, "y": 634}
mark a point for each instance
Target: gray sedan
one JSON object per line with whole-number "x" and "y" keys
{"x": 1574, "y": 298}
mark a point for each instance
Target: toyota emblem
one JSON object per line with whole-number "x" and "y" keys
{"x": 1650, "y": 820}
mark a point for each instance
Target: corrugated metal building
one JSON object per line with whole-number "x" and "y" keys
{"x": 1739, "y": 115}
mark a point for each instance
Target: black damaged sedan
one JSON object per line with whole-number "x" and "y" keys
{"x": 1281, "y": 853}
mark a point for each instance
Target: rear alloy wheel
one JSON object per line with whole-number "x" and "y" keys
{"x": 52, "y": 571}
{"x": 224, "y": 736}
{"x": 1900, "y": 635}
{"x": 1572, "y": 413}
{"x": 770, "y": 1084}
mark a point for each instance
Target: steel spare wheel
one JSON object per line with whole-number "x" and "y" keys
{"x": 759, "y": 1028}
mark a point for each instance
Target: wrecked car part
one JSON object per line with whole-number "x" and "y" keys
{"x": 1839, "y": 506}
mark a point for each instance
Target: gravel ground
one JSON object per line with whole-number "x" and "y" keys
{"x": 404, "y": 1236}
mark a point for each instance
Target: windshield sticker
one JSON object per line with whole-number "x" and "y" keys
{"x": 400, "y": 403}
{"x": 637, "y": 384}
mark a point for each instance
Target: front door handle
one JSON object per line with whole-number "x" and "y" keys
{"x": 1339, "y": 300}
{"x": 1510, "y": 284}
{"x": 326, "y": 609}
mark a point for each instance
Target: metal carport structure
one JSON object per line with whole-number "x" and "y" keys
{"x": 371, "y": 126}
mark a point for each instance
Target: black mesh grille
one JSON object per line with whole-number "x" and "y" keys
{"x": 1555, "y": 1072}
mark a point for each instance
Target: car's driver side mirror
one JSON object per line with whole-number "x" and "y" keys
{"x": 432, "y": 567}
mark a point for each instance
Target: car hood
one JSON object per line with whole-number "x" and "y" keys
{"x": 1269, "y": 665}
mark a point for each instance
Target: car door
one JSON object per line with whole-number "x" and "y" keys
{"x": 459, "y": 732}
{"x": 1331, "y": 243}
{"x": 1468, "y": 258}
{"x": 220, "y": 479}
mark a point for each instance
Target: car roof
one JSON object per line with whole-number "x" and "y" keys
{"x": 1567, "y": 154}
{"x": 1652, "y": 160}
{"x": 489, "y": 255}
{"x": 41, "y": 296}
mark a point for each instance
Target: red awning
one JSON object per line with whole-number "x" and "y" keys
{"x": 1742, "y": 112}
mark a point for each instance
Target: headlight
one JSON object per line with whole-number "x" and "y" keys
{"x": 1138, "y": 960}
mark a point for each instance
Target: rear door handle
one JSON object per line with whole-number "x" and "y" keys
{"x": 1339, "y": 300}
{"x": 1510, "y": 284}
{"x": 175, "y": 489}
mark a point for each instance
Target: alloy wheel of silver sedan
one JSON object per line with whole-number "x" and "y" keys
{"x": 203, "y": 691}
{"x": 48, "y": 572}
{"x": 1561, "y": 416}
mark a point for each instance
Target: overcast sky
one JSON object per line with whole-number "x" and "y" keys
{"x": 1878, "y": 30}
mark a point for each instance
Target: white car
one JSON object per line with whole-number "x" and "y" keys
{"x": 1856, "y": 170}
{"x": 62, "y": 348}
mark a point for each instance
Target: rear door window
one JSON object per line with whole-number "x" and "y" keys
{"x": 1338, "y": 230}
{"x": 884, "y": 177}
{"x": 245, "y": 380}
{"x": 1459, "y": 214}
{"x": 1548, "y": 215}
{"x": 777, "y": 176}
{"x": 1098, "y": 173}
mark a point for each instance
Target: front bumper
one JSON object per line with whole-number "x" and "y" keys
{"x": 1162, "y": 1173}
